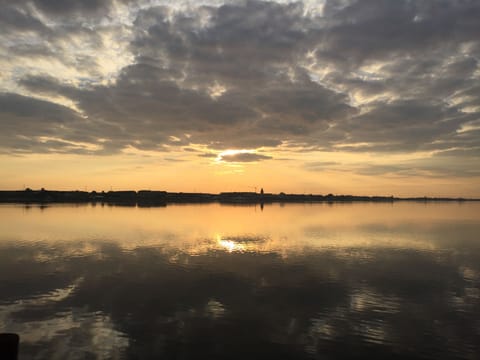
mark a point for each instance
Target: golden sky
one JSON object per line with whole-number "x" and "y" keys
{"x": 326, "y": 96}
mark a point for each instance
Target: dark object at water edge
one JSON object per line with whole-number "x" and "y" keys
{"x": 9, "y": 346}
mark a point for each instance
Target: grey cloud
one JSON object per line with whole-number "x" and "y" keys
{"x": 398, "y": 170}
{"x": 425, "y": 57}
{"x": 31, "y": 50}
{"x": 31, "y": 125}
{"x": 244, "y": 157}
{"x": 406, "y": 126}
{"x": 208, "y": 155}
{"x": 28, "y": 29}
{"x": 320, "y": 165}
{"x": 298, "y": 109}
{"x": 25, "y": 120}
{"x": 166, "y": 92}
{"x": 22, "y": 107}
{"x": 423, "y": 47}
{"x": 13, "y": 20}
{"x": 46, "y": 84}
{"x": 68, "y": 7}
{"x": 443, "y": 170}
{"x": 406, "y": 27}
{"x": 242, "y": 45}
{"x": 173, "y": 160}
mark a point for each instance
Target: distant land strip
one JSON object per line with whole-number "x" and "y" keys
{"x": 161, "y": 198}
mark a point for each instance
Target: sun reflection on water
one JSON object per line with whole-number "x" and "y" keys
{"x": 230, "y": 245}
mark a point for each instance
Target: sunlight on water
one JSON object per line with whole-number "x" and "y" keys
{"x": 294, "y": 281}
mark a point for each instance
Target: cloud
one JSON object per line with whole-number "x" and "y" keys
{"x": 244, "y": 157}
{"x": 15, "y": 20}
{"x": 173, "y": 68}
{"x": 65, "y": 7}
{"x": 248, "y": 74}
{"x": 407, "y": 28}
{"x": 321, "y": 165}
{"x": 208, "y": 155}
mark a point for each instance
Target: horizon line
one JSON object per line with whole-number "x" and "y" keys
{"x": 281, "y": 193}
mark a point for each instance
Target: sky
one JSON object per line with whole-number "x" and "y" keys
{"x": 363, "y": 97}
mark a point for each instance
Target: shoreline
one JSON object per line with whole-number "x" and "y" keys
{"x": 161, "y": 198}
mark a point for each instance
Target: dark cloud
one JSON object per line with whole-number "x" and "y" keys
{"x": 404, "y": 124}
{"x": 27, "y": 118}
{"x": 14, "y": 20}
{"x": 244, "y": 157}
{"x": 46, "y": 84}
{"x": 32, "y": 125}
{"x": 61, "y": 7}
{"x": 382, "y": 29}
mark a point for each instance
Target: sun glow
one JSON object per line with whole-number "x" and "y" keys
{"x": 229, "y": 245}
{"x": 231, "y": 152}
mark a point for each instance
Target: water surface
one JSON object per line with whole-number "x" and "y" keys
{"x": 360, "y": 280}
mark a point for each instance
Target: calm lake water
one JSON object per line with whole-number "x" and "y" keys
{"x": 237, "y": 282}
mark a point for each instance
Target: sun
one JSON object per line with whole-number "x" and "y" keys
{"x": 231, "y": 152}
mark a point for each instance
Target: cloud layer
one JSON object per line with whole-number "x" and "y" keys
{"x": 102, "y": 76}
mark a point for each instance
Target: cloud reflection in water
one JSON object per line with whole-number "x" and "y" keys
{"x": 297, "y": 290}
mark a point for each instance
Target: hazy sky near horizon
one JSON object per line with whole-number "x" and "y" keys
{"x": 315, "y": 96}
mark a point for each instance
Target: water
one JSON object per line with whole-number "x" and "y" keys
{"x": 234, "y": 282}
